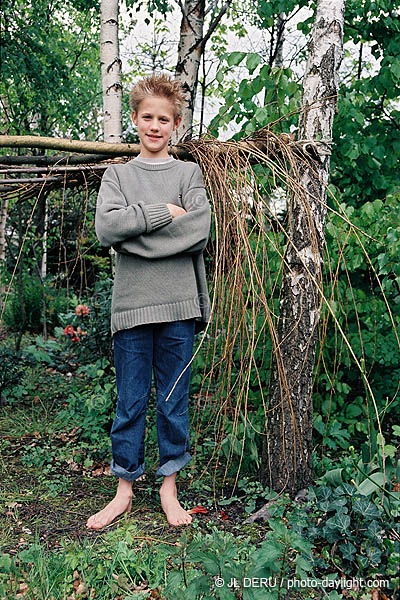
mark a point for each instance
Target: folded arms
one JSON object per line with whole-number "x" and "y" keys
{"x": 149, "y": 230}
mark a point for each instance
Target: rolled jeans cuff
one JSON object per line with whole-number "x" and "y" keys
{"x": 174, "y": 465}
{"x": 124, "y": 474}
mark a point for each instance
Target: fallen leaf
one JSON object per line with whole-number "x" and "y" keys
{"x": 197, "y": 509}
{"x": 23, "y": 589}
{"x": 97, "y": 472}
{"x": 81, "y": 589}
{"x": 72, "y": 464}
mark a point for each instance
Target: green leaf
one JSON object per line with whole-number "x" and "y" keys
{"x": 374, "y": 555}
{"x": 375, "y": 531}
{"x": 367, "y": 486}
{"x": 342, "y": 522}
{"x": 269, "y": 551}
{"x": 252, "y": 61}
{"x": 235, "y": 58}
{"x": 261, "y": 115}
{"x": 333, "y": 477}
{"x": 347, "y": 550}
{"x": 365, "y": 507}
{"x": 346, "y": 489}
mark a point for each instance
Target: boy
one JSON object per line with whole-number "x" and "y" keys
{"x": 154, "y": 212}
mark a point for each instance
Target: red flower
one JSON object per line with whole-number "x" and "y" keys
{"x": 69, "y": 330}
{"x": 82, "y": 310}
{"x": 224, "y": 516}
{"x": 75, "y": 339}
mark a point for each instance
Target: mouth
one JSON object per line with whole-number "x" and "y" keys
{"x": 154, "y": 137}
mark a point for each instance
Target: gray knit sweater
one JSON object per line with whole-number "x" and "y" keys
{"x": 159, "y": 270}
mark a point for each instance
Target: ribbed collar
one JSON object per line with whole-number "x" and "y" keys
{"x": 153, "y": 167}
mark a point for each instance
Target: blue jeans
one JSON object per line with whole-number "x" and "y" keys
{"x": 168, "y": 348}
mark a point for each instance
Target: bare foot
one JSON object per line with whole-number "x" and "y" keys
{"x": 122, "y": 502}
{"x": 116, "y": 507}
{"x": 176, "y": 515}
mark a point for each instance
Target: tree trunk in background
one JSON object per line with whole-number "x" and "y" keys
{"x": 191, "y": 46}
{"x": 111, "y": 71}
{"x": 3, "y": 221}
{"x": 111, "y": 79}
{"x": 190, "y": 50}
{"x": 287, "y": 452}
{"x": 280, "y": 27}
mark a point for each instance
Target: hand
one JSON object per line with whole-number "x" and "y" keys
{"x": 175, "y": 210}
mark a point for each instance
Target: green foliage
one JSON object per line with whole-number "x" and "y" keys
{"x": 90, "y": 333}
{"x": 355, "y": 526}
{"x": 51, "y": 80}
{"x": 32, "y": 294}
{"x": 91, "y": 407}
{"x": 250, "y": 492}
{"x": 366, "y": 161}
{"x": 219, "y": 565}
{"x": 343, "y": 407}
{"x": 109, "y": 568}
{"x": 12, "y": 367}
{"x": 240, "y": 442}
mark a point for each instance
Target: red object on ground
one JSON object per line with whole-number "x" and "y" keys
{"x": 198, "y": 509}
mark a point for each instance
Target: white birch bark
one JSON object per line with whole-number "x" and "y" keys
{"x": 287, "y": 456}
{"x": 190, "y": 50}
{"x": 110, "y": 71}
{"x": 191, "y": 46}
{"x": 111, "y": 79}
{"x": 281, "y": 38}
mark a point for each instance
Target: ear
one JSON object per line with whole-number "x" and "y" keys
{"x": 177, "y": 123}
{"x": 134, "y": 117}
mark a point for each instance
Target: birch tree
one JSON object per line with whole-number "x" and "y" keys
{"x": 191, "y": 46}
{"x": 111, "y": 71}
{"x": 111, "y": 78}
{"x": 287, "y": 453}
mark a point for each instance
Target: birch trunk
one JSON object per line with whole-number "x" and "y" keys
{"x": 287, "y": 452}
{"x": 190, "y": 50}
{"x": 110, "y": 71}
{"x": 280, "y": 33}
{"x": 111, "y": 79}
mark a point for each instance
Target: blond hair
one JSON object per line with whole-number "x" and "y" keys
{"x": 161, "y": 85}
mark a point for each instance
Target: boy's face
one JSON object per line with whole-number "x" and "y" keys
{"x": 155, "y": 122}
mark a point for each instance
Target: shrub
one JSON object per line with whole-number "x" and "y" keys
{"x": 32, "y": 293}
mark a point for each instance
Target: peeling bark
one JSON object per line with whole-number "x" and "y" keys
{"x": 287, "y": 452}
{"x": 111, "y": 71}
{"x": 111, "y": 79}
{"x": 190, "y": 50}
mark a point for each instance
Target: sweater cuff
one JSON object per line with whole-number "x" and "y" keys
{"x": 156, "y": 215}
